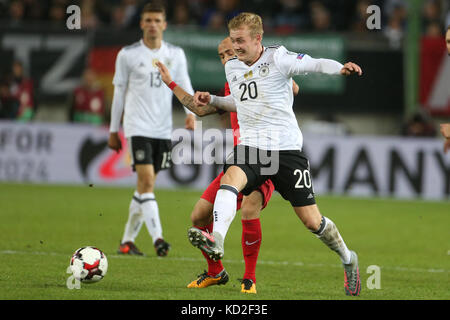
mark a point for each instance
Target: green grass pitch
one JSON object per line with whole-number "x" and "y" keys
{"x": 41, "y": 226}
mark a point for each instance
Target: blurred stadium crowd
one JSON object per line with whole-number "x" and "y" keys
{"x": 279, "y": 16}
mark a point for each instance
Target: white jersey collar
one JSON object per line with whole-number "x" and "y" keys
{"x": 163, "y": 44}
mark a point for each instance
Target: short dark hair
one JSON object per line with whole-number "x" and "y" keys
{"x": 154, "y": 6}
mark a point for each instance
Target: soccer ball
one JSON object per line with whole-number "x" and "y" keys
{"x": 88, "y": 264}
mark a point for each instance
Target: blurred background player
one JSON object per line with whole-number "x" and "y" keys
{"x": 275, "y": 130}
{"x": 88, "y": 101}
{"x": 251, "y": 206}
{"x": 22, "y": 90}
{"x": 419, "y": 125}
{"x": 147, "y": 106}
{"x": 17, "y": 94}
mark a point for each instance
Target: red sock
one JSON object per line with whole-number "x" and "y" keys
{"x": 251, "y": 242}
{"x": 214, "y": 267}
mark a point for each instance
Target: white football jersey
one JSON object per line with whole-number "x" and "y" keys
{"x": 148, "y": 101}
{"x": 263, "y": 96}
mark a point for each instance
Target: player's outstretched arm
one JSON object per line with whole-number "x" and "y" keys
{"x": 292, "y": 64}
{"x": 185, "y": 98}
{"x": 329, "y": 66}
{"x": 205, "y": 98}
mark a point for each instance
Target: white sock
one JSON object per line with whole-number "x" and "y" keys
{"x": 330, "y": 235}
{"x": 224, "y": 209}
{"x": 150, "y": 211}
{"x": 135, "y": 220}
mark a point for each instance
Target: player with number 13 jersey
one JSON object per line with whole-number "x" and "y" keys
{"x": 146, "y": 103}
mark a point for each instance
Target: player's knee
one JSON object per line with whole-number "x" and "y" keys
{"x": 312, "y": 223}
{"x": 201, "y": 216}
{"x": 147, "y": 182}
{"x": 200, "y": 220}
{"x": 249, "y": 212}
{"x": 251, "y": 208}
{"x": 226, "y": 179}
{"x": 234, "y": 177}
{"x": 195, "y": 218}
{"x": 310, "y": 216}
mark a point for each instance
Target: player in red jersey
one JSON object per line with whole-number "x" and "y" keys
{"x": 251, "y": 206}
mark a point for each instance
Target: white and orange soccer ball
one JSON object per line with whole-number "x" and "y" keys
{"x": 88, "y": 264}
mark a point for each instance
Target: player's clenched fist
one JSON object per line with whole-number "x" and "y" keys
{"x": 350, "y": 68}
{"x": 202, "y": 98}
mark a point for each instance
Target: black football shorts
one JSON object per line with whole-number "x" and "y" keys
{"x": 144, "y": 150}
{"x": 289, "y": 171}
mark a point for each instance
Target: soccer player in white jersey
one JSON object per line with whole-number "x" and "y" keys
{"x": 146, "y": 102}
{"x": 251, "y": 205}
{"x": 260, "y": 81}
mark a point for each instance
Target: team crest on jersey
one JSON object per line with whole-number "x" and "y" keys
{"x": 264, "y": 69}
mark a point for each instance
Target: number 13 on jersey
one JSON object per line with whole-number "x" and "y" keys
{"x": 155, "y": 79}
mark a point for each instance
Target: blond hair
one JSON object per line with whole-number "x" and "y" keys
{"x": 251, "y": 20}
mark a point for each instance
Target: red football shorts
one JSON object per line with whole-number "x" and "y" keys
{"x": 209, "y": 195}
